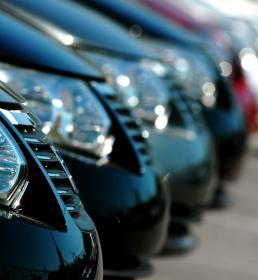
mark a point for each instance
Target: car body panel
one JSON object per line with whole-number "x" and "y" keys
{"x": 38, "y": 50}
{"x": 83, "y": 34}
{"x": 137, "y": 185}
{"x": 172, "y": 165}
{"x": 210, "y": 27}
{"x": 126, "y": 13}
{"x": 139, "y": 211}
{"x": 226, "y": 125}
{"x": 40, "y": 238}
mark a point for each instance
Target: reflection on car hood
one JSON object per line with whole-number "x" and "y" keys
{"x": 88, "y": 27}
{"x": 21, "y": 44}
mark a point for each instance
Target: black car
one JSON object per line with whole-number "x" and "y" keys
{"x": 45, "y": 231}
{"x": 198, "y": 72}
{"x": 179, "y": 141}
{"x": 98, "y": 139}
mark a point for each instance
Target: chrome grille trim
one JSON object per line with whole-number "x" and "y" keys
{"x": 53, "y": 164}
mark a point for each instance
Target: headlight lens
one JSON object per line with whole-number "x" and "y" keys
{"x": 12, "y": 164}
{"x": 139, "y": 86}
{"x": 70, "y": 113}
{"x": 192, "y": 69}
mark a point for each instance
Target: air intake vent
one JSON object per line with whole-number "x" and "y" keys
{"x": 134, "y": 130}
{"x": 54, "y": 166}
{"x": 188, "y": 108}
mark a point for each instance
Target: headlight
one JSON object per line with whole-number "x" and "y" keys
{"x": 192, "y": 69}
{"x": 71, "y": 115}
{"x": 139, "y": 86}
{"x": 12, "y": 166}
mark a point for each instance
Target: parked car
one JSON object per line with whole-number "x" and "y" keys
{"x": 45, "y": 231}
{"x": 180, "y": 144}
{"x": 186, "y": 55}
{"x": 218, "y": 34}
{"x": 242, "y": 28}
{"x": 98, "y": 139}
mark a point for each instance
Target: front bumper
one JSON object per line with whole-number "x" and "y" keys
{"x": 130, "y": 210}
{"x": 189, "y": 158}
{"x": 230, "y": 134}
{"x": 33, "y": 251}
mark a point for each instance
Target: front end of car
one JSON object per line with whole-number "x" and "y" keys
{"x": 171, "y": 121}
{"x": 119, "y": 192}
{"x": 45, "y": 233}
{"x": 221, "y": 111}
{"x": 101, "y": 144}
{"x": 176, "y": 133}
{"x": 140, "y": 85}
{"x": 229, "y": 42}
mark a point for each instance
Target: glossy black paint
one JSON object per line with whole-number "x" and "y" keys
{"x": 130, "y": 15}
{"x": 195, "y": 157}
{"x": 191, "y": 191}
{"x": 226, "y": 121}
{"x": 102, "y": 188}
{"x": 86, "y": 34}
{"x": 29, "y": 250}
{"x": 32, "y": 51}
{"x": 40, "y": 239}
{"x": 130, "y": 207}
{"x": 129, "y": 210}
{"x": 230, "y": 133}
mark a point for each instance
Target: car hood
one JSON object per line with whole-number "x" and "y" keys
{"x": 88, "y": 27}
{"x": 130, "y": 13}
{"x": 24, "y": 45}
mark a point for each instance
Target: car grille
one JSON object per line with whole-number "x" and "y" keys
{"x": 132, "y": 127}
{"x": 188, "y": 108}
{"x": 54, "y": 165}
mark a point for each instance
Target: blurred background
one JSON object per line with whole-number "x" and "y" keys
{"x": 228, "y": 241}
{"x": 153, "y": 106}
